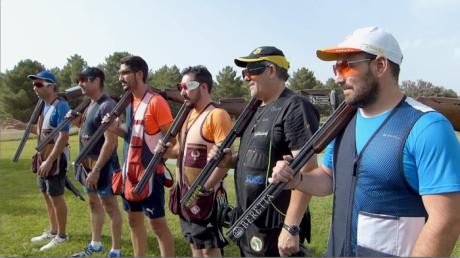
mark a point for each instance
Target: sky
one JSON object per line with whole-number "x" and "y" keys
{"x": 214, "y": 32}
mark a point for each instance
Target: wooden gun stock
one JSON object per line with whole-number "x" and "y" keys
{"x": 172, "y": 132}
{"x": 239, "y": 127}
{"x": 449, "y": 107}
{"x": 332, "y": 127}
{"x": 32, "y": 120}
{"x": 116, "y": 112}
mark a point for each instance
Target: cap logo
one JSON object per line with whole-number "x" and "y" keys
{"x": 374, "y": 48}
{"x": 257, "y": 51}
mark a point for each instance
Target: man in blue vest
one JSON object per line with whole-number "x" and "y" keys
{"x": 54, "y": 157}
{"x": 394, "y": 170}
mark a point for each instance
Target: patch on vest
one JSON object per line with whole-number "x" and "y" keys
{"x": 256, "y": 244}
{"x": 196, "y": 156}
{"x": 255, "y": 180}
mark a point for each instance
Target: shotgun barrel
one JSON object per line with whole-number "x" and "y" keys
{"x": 239, "y": 127}
{"x": 149, "y": 171}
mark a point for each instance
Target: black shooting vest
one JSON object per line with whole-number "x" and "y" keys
{"x": 257, "y": 156}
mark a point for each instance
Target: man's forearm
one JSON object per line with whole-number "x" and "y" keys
{"x": 107, "y": 149}
{"x": 297, "y": 207}
{"x": 435, "y": 240}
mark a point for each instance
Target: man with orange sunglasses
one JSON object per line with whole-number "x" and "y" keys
{"x": 281, "y": 126}
{"x": 394, "y": 170}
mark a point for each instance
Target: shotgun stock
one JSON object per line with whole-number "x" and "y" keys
{"x": 71, "y": 93}
{"x": 116, "y": 112}
{"x": 240, "y": 125}
{"x": 149, "y": 171}
{"x": 79, "y": 109}
{"x": 333, "y": 126}
{"x": 449, "y": 107}
{"x": 32, "y": 120}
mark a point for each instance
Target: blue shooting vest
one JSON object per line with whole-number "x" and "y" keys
{"x": 375, "y": 211}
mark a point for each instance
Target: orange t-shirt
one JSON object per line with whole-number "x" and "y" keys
{"x": 216, "y": 126}
{"x": 158, "y": 113}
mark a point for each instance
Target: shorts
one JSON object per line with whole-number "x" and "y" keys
{"x": 153, "y": 206}
{"x": 102, "y": 193}
{"x": 54, "y": 185}
{"x": 203, "y": 236}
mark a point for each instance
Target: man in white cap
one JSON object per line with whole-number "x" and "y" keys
{"x": 394, "y": 170}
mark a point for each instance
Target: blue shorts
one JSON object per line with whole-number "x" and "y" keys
{"x": 102, "y": 193}
{"x": 153, "y": 206}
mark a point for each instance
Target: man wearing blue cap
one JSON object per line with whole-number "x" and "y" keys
{"x": 54, "y": 158}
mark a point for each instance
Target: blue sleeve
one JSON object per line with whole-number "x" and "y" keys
{"x": 436, "y": 152}
{"x": 61, "y": 110}
{"x": 328, "y": 155}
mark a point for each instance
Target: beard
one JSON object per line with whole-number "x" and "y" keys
{"x": 366, "y": 94}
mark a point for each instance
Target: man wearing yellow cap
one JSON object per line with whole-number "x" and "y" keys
{"x": 281, "y": 126}
{"x": 394, "y": 170}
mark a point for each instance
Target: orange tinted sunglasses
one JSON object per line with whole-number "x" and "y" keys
{"x": 344, "y": 67}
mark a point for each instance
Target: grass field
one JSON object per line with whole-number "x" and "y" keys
{"x": 23, "y": 214}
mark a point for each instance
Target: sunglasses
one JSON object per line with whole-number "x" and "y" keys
{"x": 190, "y": 85}
{"x": 252, "y": 70}
{"x": 344, "y": 67}
{"x": 39, "y": 84}
{"x": 83, "y": 79}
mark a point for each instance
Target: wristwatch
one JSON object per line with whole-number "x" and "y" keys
{"x": 97, "y": 169}
{"x": 292, "y": 229}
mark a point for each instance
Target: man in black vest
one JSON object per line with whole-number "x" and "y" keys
{"x": 394, "y": 170}
{"x": 281, "y": 125}
{"x": 95, "y": 171}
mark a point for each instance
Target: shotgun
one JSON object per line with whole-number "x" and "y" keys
{"x": 74, "y": 114}
{"x": 331, "y": 128}
{"x": 449, "y": 107}
{"x": 116, "y": 112}
{"x": 239, "y": 127}
{"x": 149, "y": 171}
{"x": 32, "y": 120}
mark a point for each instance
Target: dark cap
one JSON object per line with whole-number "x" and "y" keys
{"x": 92, "y": 72}
{"x": 271, "y": 54}
{"x": 43, "y": 75}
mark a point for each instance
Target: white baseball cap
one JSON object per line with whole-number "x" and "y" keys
{"x": 372, "y": 40}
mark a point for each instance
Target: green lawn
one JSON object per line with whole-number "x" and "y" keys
{"x": 23, "y": 214}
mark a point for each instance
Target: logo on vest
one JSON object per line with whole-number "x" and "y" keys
{"x": 256, "y": 244}
{"x": 392, "y": 136}
{"x": 195, "y": 155}
{"x": 195, "y": 210}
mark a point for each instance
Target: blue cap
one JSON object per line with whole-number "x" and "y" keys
{"x": 43, "y": 75}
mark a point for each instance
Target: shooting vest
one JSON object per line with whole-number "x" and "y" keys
{"x": 139, "y": 151}
{"x": 194, "y": 147}
{"x": 375, "y": 210}
{"x": 45, "y": 129}
{"x": 256, "y": 158}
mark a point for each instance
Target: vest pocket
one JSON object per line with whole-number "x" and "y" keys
{"x": 256, "y": 159}
{"x": 386, "y": 235}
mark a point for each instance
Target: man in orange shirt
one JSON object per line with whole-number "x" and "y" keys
{"x": 148, "y": 118}
{"x": 205, "y": 126}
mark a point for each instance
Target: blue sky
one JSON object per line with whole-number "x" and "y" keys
{"x": 213, "y": 33}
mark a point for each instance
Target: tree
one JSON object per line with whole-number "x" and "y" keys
{"x": 426, "y": 89}
{"x": 110, "y": 68}
{"x": 229, "y": 85}
{"x": 67, "y": 75}
{"x": 17, "y": 95}
{"x": 303, "y": 79}
{"x": 165, "y": 77}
